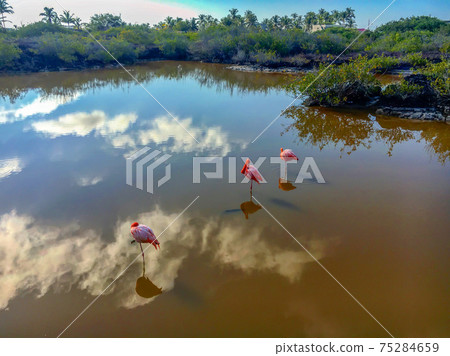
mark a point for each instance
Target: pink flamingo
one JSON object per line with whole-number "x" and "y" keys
{"x": 252, "y": 173}
{"x": 143, "y": 234}
{"x": 287, "y": 155}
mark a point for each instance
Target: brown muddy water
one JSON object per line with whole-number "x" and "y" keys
{"x": 380, "y": 223}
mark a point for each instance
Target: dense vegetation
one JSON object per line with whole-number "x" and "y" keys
{"x": 355, "y": 83}
{"x": 62, "y": 41}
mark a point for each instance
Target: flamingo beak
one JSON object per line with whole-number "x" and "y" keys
{"x": 243, "y": 168}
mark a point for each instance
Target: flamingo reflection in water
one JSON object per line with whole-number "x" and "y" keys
{"x": 144, "y": 286}
{"x": 285, "y": 185}
{"x": 249, "y": 207}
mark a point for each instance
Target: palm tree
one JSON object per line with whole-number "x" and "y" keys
{"x": 266, "y": 24}
{"x": 202, "y": 21}
{"x": 349, "y": 17}
{"x": 77, "y": 23}
{"x": 170, "y": 22}
{"x": 67, "y": 18}
{"x": 275, "y": 20}
{"x": 341, "y": 18}
{"x": 296, "y": 20}
{"x": 285, "y": 22}
{"x": 211, "y": 20}
{"x": 49, "y": 15}
{"x": 250, "y": 19}
{"x": 335, "y": 16}
{"x": 193, "y": 24}
{"x": 323, "y": 17}
{"x": 5, "y": 8}
{"x": 310, "y": 20}
{"x": 233, "y": 13}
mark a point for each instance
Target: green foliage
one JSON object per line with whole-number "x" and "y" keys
{"x": 9, "y": 53}
{"x": 338, "y": 85}
{"x": 237, "y": 38}
{"x": 102, "y": 22}
{"x": 264, "y": 57}
{"x": 173, "y": 45}
{"x": 383, "y": 63}
{"x": 56, "y": 48}
{"x": 402, "y": 89}
{"x": 438, "y": 75}
{"x": 414, "y": 23}
{"x": 415, "y": 59}
{"x": 38, "y": 29}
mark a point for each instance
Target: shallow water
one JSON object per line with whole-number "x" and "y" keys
{"x": 226, "y": 268}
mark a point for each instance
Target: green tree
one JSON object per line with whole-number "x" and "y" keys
{"x": 233, "y": 13}
{"x": 297, "y": 20}
{"x": 49, "y": 15}
{"x": 77, "y": 23}
{"x": 323, "y": 17}
{"x": 250, "y": 19}
{"x": 310, "y": 20}
{"x": 193, "y": 24}
{"x": 285, "y": 22}
{"x": 102, "y": 22}
{"x": 9, "y": 52}
{"x": 349, "y": 17}
{"x": 5, "y": 8}
{"x": 169, "y": 21}
{"x": 67, "y": 18}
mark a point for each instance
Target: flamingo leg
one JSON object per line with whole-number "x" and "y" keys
{"x": 142, "y": 251}
{"x": 251, "y": 186}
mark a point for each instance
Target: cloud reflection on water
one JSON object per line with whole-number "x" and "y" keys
{"x": 162, "y": 131}
{"x": 10, "y": 166}
{"x": 41, "y": 105}
{"x": 83, "y": 123}
{"x": 40, "y": 258}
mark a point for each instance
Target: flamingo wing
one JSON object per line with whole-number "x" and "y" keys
{"x": 143, "y": 234}
{"x": 254, "y": 174}
{"x": 289, "y": 154}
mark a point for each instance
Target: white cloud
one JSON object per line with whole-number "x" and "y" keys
{"x": 253, "y": 253}
{"x": 87, "y": 181}
{"x": 83, "y": 123}
{"x": 37, "y": 257}
{"x": 166, "y": 132}
{"x": 10, "y": 166}
{"x": 40, "y": 105}
{"x": 134, "y": 11}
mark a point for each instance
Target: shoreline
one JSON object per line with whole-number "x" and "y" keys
{"x": 305, "y": 63}
{"x": 415, "y": 113}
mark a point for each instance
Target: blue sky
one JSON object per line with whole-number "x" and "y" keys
{"x": 365, "y": 9}
{"x": 153, "y": 11}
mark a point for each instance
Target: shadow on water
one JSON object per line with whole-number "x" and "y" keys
{"x": 349, "y": 130}
{"x": 284, "y": 204}
{"x": 144, "y": 286}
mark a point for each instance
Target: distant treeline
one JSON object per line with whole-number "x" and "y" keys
{"x": 62, "y": 41}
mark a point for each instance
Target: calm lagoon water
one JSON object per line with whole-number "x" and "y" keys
{"x": 380, "y": 224}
